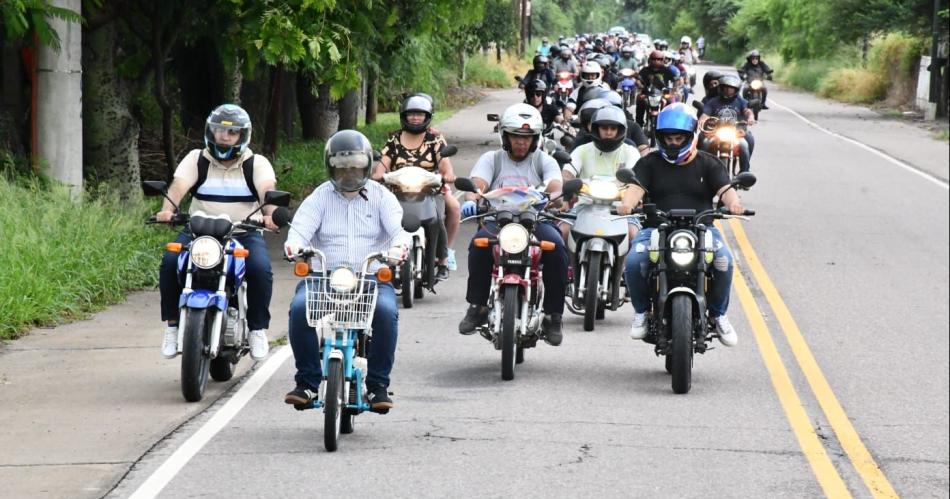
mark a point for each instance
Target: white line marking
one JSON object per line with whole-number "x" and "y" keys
{"x": 167, "y": 471}
{"x": 927, "y": 176}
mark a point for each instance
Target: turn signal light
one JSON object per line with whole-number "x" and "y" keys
{"x": 241, "y": 252}
{"x": 173, "y": 247}
{"x": 481, "y": 242}
{"x": 384, "y": 274}
{"x": 301, "y": 269}
{"x": 546, "y": 245}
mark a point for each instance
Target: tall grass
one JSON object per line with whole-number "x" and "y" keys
{"x": 481, "y": 70}
{"x": 64, "y": 259}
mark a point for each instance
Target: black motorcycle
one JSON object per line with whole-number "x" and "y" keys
{"x": 681, "y": 250}
{"x": 753, "y": 89}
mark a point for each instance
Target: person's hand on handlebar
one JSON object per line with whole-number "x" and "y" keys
{"x": 469, "y": 209}
{"x": 164, "y": 216}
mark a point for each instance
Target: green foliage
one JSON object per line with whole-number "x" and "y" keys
{"x": 98, "y": 251}
{"x": 20, "y": 17}
{"x": 482, "y": 71}
{"x": 854, "y": 85}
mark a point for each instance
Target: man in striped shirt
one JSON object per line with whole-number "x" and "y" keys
{"x": 347, "y": 218}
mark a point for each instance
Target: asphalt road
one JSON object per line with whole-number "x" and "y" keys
{"x": 839, "y": 385}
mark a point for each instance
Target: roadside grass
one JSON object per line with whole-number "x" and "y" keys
{"x": 482, "y": 71}
{"x": 944, "y": 136}
{"x": 63, "y": 260}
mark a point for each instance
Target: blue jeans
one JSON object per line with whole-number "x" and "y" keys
{"x": 637, "y": 274}
{"x": 260, "y": 280}
{"x": 382, "y": 354}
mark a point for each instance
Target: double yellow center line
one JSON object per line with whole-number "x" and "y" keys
{"x": 828, "y": 477}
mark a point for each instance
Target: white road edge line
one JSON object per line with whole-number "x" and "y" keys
{"x": 167, "y": 471}
{"x": 889, "y": 158}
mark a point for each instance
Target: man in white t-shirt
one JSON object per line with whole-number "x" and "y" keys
{"x": 225, "y": 177}
{"x": 519, "y": 163}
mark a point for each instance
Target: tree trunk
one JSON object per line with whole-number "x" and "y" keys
{"x": 461, "y": 56}
{"x": 201, "y": 80}
{"x": 498, "y": 52}
{"x": 326, "y": 113}
{"x": 349, "y": 110}
{"x": 14, "y": 101}
{"x": 372, "y": 104}
{"x": 289, "y": 106}
{"x": 307, "y": 106}
{"x": 272, "y": 125}
{"x": 110, "y": 132}
{"x": 158, "y": 51}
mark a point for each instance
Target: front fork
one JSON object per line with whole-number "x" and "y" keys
{"x": 214, "y": 342}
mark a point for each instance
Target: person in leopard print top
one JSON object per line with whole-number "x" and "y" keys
{"x": 417, "y": 144}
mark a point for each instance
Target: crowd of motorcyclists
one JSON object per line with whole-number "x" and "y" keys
{"x": 577, "y": 98}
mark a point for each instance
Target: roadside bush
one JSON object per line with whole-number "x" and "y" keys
{"x": 481, "y": 70}
{"x": 853, "y": 85}
{"x": 64, "y": 259}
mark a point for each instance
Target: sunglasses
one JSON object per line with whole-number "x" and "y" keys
{"x": 656, "y": 59}
{"x": 538, "y": 94}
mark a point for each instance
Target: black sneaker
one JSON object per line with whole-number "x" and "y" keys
{"x": 764, "y": 106}
{"x": 378, "y": 398}
{"x": 552, "y": 330}
{"x": 441, "y": 273}
{"x": 474, "y": 317}
{"x": 301, "y": 397}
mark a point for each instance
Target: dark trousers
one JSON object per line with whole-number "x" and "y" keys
{"x": 260, "y": 280}
{"x": 554, "y": 264}
{"x": 382, "y": 354}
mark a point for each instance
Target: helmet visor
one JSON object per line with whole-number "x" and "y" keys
{"x": 350, "y": 159}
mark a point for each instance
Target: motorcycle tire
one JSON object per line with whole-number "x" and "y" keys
{"x": 591, "y": 295}
{"x": 519, "y": 355}
{"x": 195, "y": 363}
{"x": 333, "y": 405}
{"x": 755, "y": 112}
{"x": 508, "y": 335}
{"x": 221, "y": 369}
{"x": 681, "y": 331}
{"x": 428, "y": 274}
{"x": 408, "y": 284}
{"x": 668, "y": 364}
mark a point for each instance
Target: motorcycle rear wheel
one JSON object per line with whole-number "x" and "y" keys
{"x": 681, "y": 353}
{"x": 508, "y": 336}
{"x": 195, "y": 363}
{"x": 221, "y": 369}
{"x": 333, "y": 405}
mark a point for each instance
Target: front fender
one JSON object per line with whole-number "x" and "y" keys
{"x": 596, "y": 244}
{"x": 203, "y": 298}
{"x": 699, "y": 305}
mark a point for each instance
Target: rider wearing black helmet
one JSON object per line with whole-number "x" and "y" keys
{"x": 539, "y": 71}
{"x": 711, "y": 84}
{"x": 729, "y": 98}
{"x": 535, "y": 94}
{"x": 755, "y": 66}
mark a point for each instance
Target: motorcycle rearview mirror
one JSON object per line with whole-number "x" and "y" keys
{"x": 744, "y": 180}
{"x": 567, "y": 141}
{"x": 411, "y": 222}
{"x": 571, "y": 188}
{"x": 377, "y": 156}
{"x": 627, "y": 176}
{"x": 465, "y": 184}
{"x": 492, "y": 117}
{"x": 154, "y": 187}
{"x": 281, "y": 217}
{"x": 699, "y": 106}
{"x": 562, "y": 157}
{"x": 277, "y": 198}
{"x": 448, "y": 151}
{"x": 518, "y": 79}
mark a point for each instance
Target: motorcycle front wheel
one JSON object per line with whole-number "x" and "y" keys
{"x": 681, "y": 353}
{"x": 333, "y": 405}
{"x": 408, "y": 284}
{"x": 591, "y": 295}
{"x": 508, "y": 335}
{"x": 195, "y": 362}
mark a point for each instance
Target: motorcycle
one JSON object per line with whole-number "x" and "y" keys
{"x": 680, "y": 251}
{"x": 598, "y": 244}
{"x": 564, "y": 87}
{"x": 723, "y": 133}
{"x": 340, "y": 306}
{"x": 212, "y": 327}
{"x": 655, "y": 98}
{"x": 628, "y": 86}
{"x": 416, "y": 189}
{"x": 753, "y": 88}
{"x": 517, "y": 290}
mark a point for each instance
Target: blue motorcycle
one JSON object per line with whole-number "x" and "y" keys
{"x": 628, "y": 86}
{"x": 340, "y": 307}
{"x": 212, "y": 327}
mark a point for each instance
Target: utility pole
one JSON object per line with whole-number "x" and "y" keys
{"x": 524, "y": 31}
{"x": 59, "y": 102}
{"x": 528, "y": 22}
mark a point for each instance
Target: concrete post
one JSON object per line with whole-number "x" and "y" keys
{"x": 59, "y": 103}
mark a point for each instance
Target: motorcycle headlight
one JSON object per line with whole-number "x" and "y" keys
{"x": 343, "y": 280}
{"x": 206, "y": 252}
{"x": 726, "y": 134}
{"x": 604, "y": 190}
{"x": 682, "y": 248}
{"x": 513, "y": 238}
{"x": 756, "y": 84}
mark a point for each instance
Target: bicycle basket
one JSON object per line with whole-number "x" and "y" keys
{"x": 350, "y": 310}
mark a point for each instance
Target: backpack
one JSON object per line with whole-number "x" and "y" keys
{"x": 204, "y": 164}
{"x": 535, "y": 162}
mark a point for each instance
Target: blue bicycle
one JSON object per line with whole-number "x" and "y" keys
{"x": 340, "y": 306}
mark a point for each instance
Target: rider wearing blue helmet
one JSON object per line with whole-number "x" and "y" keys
{"x": 678, "y": 176}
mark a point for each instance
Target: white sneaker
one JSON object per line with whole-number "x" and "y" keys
{"x": 170, "y": 344}
{"x": 258, "y": 341}
{"x": 727, "y": 334}
{"x": 638, "y": 330}
{"x": 450, "y": 261}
